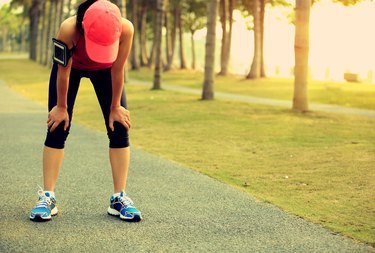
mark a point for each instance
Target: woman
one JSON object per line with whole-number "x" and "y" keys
{"x": 93, "y": 44}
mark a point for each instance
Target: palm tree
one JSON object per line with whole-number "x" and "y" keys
{"x": 208, "y": 83}
{"x": 180, "y": 37}
{"x": 226, "y": 19}
{"x": 144, "y": 6}
{"x": 158, "y": 40}
{"x": 255, "y": 70}
{"x": 301, "y": 51}
{"x": 194, "y": 19}
{"x": 134, "y": 51}
{"x": 42, "y": 31}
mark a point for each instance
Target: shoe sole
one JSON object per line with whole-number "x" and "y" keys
{"x": 114, "y": 212}
{"x": 39, "y": 218}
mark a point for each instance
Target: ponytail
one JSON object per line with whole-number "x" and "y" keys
{"x": 82, "y": 8}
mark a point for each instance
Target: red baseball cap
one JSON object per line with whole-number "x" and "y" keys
{"x": 102, "y": 25}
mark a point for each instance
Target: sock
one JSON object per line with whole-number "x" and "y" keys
{"x": 118, "y": 194}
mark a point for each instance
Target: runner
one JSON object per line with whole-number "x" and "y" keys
{"x": 93, "y": 44}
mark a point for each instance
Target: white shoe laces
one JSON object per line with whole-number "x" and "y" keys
{"x": 126, "y": 201}
{"x": 43, "y": 201}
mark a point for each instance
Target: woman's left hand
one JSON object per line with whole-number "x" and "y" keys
{"x": 121, "y": 115}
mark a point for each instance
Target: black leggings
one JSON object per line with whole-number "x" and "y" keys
{"x": 102, "y": 82}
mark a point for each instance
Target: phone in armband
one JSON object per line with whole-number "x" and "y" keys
{"x": 61, "y": 52}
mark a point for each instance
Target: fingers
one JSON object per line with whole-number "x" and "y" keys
{"x": 53, "y": 124}
{"x": 111, "y": 124}
{"x": 126, "y": 123}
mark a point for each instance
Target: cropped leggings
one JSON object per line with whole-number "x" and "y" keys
{"x": 102, "y": 82}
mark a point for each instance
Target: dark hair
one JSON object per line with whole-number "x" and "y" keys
{"x": 82, "y": 8}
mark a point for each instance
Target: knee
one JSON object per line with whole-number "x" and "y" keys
{"x": 119, "y": 138}
{"x": 57, "y": 138}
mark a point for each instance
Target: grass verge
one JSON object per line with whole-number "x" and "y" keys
{"x": 318, "y": 166}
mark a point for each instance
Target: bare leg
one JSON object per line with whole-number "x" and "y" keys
{"x": 52, "y": 160}
{"x": 119, "y": 158}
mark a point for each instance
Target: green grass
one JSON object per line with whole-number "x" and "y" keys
{"x": 318, "y": 166}
{"x": 361, "y": 95}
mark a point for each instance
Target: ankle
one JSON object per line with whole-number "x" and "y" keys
{"x": 49, "y": 193}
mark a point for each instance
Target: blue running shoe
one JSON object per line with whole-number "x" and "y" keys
{"x": 121, "y": 205}
{"x": 44, "y": 208}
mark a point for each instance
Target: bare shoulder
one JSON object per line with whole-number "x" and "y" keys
{"x": 127, "y": 28}
{"x": 67, "y": 31}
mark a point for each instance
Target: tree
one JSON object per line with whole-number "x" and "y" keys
{"x": 9, "y": 26}
{"x": 158, "y": 41}
{"x": 144, "y": 6}
{"x": 181, "y": 37}
{"x": 171, "y": 40}
{"x": 33, "y": 9}
{"x": 226, "y": 19}
{"x": 134, "y": 51}
{"x": 42, "y": 32}
{"x": 194, "y": 19}
{"x": 208, "y": 90}
{"x": 301, "y": 52}
{"x": 255, "y": 70}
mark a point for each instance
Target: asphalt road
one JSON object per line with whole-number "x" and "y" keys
{"x": 183, "y": 210}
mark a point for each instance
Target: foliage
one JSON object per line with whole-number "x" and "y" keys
{"x": 10, "y": 22}
{"x": 194, "y": 17}
{"x": 347, "y": 2}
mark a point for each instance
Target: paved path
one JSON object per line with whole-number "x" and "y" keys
{"x": 264, "y": 101}
{"x": 183, "y": 210}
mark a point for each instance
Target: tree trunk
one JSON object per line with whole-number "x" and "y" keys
{"x": 228, "y": 41}
{"x": 181, "y": 40}
{"x": 142, "y": 36}
{"x": 6, "y": 44}
{"x": 262, "y": 11}
{"x": 61, "y": 12}
{"x": 173, "y": 39}
{"x": 193, "y": 60}
{"x": 122, "y": 6}
{"x": 224, "y": 40}
{"x": 209, "y": 68}
{"x": 23, "y": 32}
{"x": 52, "y": 31}
{"x": 47, "y": 42}
{"x": 255, "y": 66}
{"x": 151, "y": 59}
{"x": 134, "y": 51}
{"x": 301, "y": 55}
{"x": 34, "y": 20}
{"x": 42, "y": 33}
{"x": 167, "y": 33}
{"x": 158, "y": 43}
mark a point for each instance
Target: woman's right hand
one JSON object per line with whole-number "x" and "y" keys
{"x": 57, "y": 115}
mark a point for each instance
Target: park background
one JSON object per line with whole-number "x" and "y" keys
{"x": 317, "y": 165}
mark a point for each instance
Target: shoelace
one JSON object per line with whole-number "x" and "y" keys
{"x": 43, "y": 201}
{"x": 126, "y": 201}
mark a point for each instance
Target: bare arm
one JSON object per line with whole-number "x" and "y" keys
{"x": 59, "y": 112}
{"x": 119, "y": 113}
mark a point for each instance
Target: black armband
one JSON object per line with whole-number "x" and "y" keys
{"x": 61, "y": 52}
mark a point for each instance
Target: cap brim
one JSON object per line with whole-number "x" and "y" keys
{"x": 102, "y": 54}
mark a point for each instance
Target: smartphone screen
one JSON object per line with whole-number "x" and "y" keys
{"x": 59, "y": 54}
